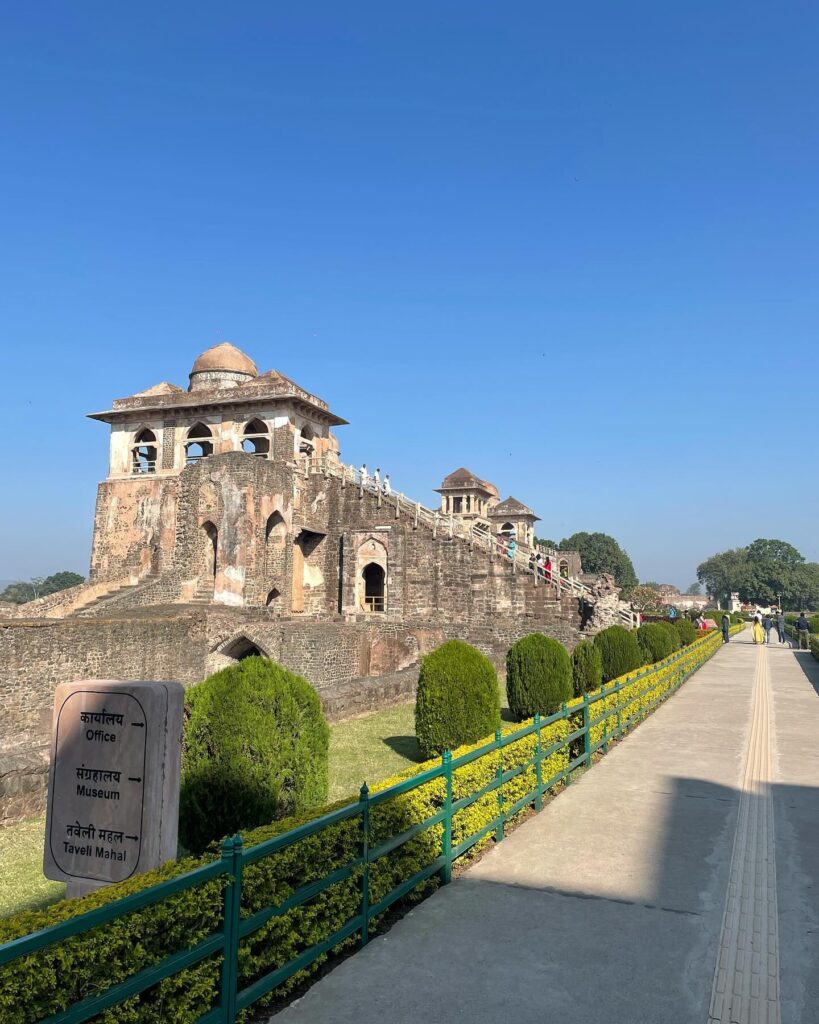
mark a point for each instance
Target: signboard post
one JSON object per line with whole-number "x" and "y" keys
{"x": 113, "y": 785}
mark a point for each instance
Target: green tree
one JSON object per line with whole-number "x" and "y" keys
{"x": 601, "y": 553}
{"x": 723, "y": 573}
{"x": 545, "y": 542}
{"x": 645, "y": 597}
{"x": 39, "y": 586}
{"x": 694, "y": 590}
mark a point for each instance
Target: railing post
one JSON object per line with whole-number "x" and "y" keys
{"x": 232, "y": 855}
{"x": 446, "y": 839}
{"x": 587, "y": 731}
{"x": 538, "y": 766}
{"x": 364, "y": 798}
{"x": 499, "y": 777}
{"x": 617, "y": 688}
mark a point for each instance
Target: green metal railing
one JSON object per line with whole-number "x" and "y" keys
{"x": 615, "y": 721}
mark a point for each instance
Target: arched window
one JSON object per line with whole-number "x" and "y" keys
{"x": 199, "y": 443}
{"x": 374, "y": 587}
{"x": 256, "y": 439}
{"x": 508, "y": 528}
{"x": 272, "y": 598}
{"x": 143, "y": 452}
{"x": 210, "y": 546}
{"x": 273, "y": 521}
{"x": 306, "y": 446}
{"x": 564, "y": 568}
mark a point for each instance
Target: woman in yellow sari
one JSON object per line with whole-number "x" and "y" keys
{"x": 759, "y": 632}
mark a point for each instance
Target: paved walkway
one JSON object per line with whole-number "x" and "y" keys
{"x": 675, "y": 883}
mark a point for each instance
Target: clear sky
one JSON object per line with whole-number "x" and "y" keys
{"x": 572, "y": 247}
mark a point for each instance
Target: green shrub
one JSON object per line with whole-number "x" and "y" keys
{"x": 674, "y": 635}
{"x": 587, "y": 668}
{"x": 538, "y": 676}
{"x": 655, "y": 643}
{"x": 255, "y": 749}
{"x": 619, "y": 652}
{"x": 813, "y": 622}
{"x": 687, "y": 631}
{"x": 458, "y": 700}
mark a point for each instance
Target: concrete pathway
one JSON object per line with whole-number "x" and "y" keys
{"x": 675, "y": 883}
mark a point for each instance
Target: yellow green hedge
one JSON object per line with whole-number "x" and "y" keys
{"x": 50, "y": 980}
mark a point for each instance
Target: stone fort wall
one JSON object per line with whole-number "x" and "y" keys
{"x": 356, "y": 667}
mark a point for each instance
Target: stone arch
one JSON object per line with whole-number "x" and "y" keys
{"x": 371, "y": 576}
{"x": 256, "y": 439}
{"x": 199, "y": 443}
{"x": 374, "y": 578}
{"x": 275, "y": 528}
{"x": 241, "y": 647}
{"x": 210, "y": 546}
{"x": 563, "y": 568}
{"x": 144, "y": 451}
{"x": 307, "y": 438}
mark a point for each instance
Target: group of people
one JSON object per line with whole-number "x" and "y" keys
{"x": 763, "y": 624}
{"x": 377, "y": 483}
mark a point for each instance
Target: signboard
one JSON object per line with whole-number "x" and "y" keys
{"x": 113, "y": 799}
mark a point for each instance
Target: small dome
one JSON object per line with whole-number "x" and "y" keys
{"x": 225, "y": 356}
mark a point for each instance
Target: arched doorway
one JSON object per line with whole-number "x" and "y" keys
{"x": 242, "y": 648}
{"x": 375, "y": 580}
{"x": 210, "y": 546}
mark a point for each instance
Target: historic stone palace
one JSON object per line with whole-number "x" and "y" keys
{"x": 228, "y": 525}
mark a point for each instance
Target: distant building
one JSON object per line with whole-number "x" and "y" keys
{"x": 687, "y": 601}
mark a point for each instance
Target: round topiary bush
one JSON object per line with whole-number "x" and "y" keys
{"x": 687, "y": 631}
{"x": 458, "y": 700}
{"x": 619, "y": 652}
{"x": 538, "y": 676}
{"x": 655, "y": 643}
{"x": 674, "y": 636}
{"x": 587, "y": 668}
{"x": 254, "y": 749}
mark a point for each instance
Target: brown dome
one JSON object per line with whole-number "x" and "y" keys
{"x": 225, "y": 356}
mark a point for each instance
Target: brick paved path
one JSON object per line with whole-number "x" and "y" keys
{"x": 675, "y": 883}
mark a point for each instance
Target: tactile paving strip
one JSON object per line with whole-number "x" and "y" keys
{"x": 746, "y": 979}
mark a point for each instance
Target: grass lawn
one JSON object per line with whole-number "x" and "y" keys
{"x": 22, "y": 884}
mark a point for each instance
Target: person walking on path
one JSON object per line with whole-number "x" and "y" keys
{"x": 758, "y": 631}
{"x": 767, "y": 625}
{"x": 780, "y": 625}
{"x": 803, "y": 629}
{"x": 726, "y": 626}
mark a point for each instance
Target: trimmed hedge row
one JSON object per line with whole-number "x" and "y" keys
{"x": 50, "y": 980}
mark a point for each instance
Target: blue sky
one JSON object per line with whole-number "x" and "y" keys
{"x": 572, "y": 247}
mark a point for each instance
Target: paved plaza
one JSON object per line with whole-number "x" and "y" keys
{"x": 675, "y": 883}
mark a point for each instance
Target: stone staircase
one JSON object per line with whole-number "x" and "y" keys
{"x": 203, "y": 593}
{"x": 97, "y": 603}
{"x": 449, "y": 525}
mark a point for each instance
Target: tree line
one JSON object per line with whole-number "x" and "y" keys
{"x": 765, "y": 572}
{"x": 39, "y": 586}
